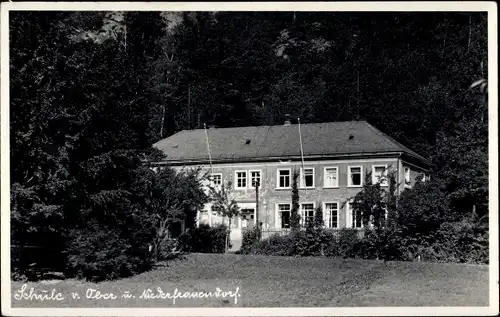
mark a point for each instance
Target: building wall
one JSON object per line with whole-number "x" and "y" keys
{"x": 270, "y": 195}
{"x": 415, "y": 173}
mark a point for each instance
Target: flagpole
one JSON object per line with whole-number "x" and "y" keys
{"x": 302, "y": 157}
{"x": 208, "y": 148}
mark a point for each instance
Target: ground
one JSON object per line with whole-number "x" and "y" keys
{"x": 267, "y": 281}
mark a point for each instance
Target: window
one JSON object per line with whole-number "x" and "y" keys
{"x": 307, "y": 212}
{"x": 379, "y": 174}
{"x": 254, "y": 178}
{"x": 354, "y": 218}
{"x": 355, "y": 178}
{"x": 284, "y": 176}
{"x": 407, "y": 177}
{"x": 216, "y": 179}
{"x": 241, "y": 179}
{"x": 331, "y": 215}
{"x": 284, "y": 211}
{"x": 307, "y": 177}
{"x": 331, "y": 177}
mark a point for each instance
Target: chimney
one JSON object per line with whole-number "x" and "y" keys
{"x": 287, "y": 120}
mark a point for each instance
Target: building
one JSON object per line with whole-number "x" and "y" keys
{"x": 336, "y": 157}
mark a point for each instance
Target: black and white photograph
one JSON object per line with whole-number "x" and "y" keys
{"x": 299, "y": 159}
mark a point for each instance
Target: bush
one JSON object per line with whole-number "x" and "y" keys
{"x": 98, "y": 254}
{"x": 311, "y": 241}
{"x": 348, "y": 243}
{"x": 169, "y": 249}
{"x": 204, "y": 239}
{"x": 459, "y": 242}
{"x": 274, "y": 245}
{"x": 250, "y": 237}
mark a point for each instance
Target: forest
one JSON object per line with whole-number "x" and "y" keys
{"x": 90, "y": 92}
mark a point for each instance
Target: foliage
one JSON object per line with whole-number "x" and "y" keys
{"x": 225, "y": 204}
{"x": 274, "y": 245}
{"x": 90, "y": 93}
{"x": 250, "y": 237}
{"x": 312, "y": 241}
{"x": 80, "y": 119}
{"x": 97, "y": 254}
{"x": 294, "y": 214}
{"x": 205, "y": 239}
{"x": 174, "y": 197}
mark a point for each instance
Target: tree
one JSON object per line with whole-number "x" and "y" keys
{"x": 294, "y": 214}
{"x": 318, "y": 217}
{"x": 225, "y": 205}
{"x": 173, "y": 197}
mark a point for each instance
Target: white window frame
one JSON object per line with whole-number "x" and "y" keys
{"x": 325, "y": 185}
{"x": 303, "y": 180}
{"x": 350, "y": 216}
{"x": 301, "y": 211}
{"x": 349, "y": 176}
{"x": 249, "y": 177}
{"x": 212, "y": 181}
{"x": 407, "y": 182}
{"x": 236, "y": 179}
{"x": 327, "y": 224}
{"x": 384, "y": 173}
{"x": 278, "y": 214}
{"x": 278, "y": 178}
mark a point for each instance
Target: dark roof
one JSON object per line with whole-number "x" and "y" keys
{"x": 281, "y": 141}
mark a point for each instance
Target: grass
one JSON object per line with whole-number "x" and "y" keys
{"x": 267, "y": 281}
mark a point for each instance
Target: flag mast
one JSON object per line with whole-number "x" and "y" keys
{"x": 208, "y": 148}
{"x": 302, "y": 157}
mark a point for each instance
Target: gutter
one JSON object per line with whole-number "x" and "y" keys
{"x": 277, "y": 158}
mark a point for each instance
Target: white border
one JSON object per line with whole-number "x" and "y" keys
{"x": 470, "y": 6}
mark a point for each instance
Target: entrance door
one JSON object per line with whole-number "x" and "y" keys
{"x": 246, "y": 220}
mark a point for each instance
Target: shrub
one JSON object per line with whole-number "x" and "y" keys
{"x": 169, "y": 249}
{"x": 250, "y": 237}
{"x": 348, "y": 243}
{"x": 274, "y": 245}
{"x": 204, "y": 239}
{"x": 311, "y": 241}
{"x": 330, "y": 243}
{"x": 460, "y": 242}
{"x": 102, "y": 254}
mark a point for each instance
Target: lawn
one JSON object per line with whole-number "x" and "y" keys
{"x": 266, "y": 281}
